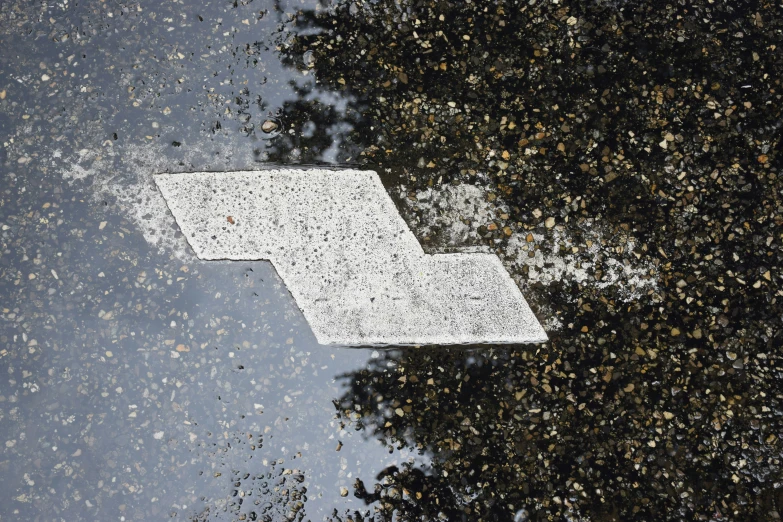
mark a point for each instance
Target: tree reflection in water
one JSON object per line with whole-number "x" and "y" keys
{"x": 324, "y": 127}
{"x": 495, "y": 442}
{"x": 553, "y": 104}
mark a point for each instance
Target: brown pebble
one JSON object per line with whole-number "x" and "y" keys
{"x": 269, "y": 126}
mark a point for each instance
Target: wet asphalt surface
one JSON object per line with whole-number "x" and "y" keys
{"x": 622, "y": 158}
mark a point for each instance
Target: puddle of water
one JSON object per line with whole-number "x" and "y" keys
{"x": 141, "y": 383}
{"x": 135, "y": 380}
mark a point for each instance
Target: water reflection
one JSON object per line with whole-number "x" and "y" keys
{"x": 572, "y": 108}
{"x": 115, "y": 405}
{"x": 499, "y": 432}
{"x": 317, "y": 128}
{"x": 142, "y": 384}
{"x": 495, "y": 443}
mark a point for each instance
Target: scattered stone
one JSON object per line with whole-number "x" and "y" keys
{"x": 269, "y": 126}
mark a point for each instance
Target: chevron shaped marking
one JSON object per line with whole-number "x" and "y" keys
{"x": 354, "y": 267}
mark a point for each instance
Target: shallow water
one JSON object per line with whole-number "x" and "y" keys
{"x": 621, "y": 159}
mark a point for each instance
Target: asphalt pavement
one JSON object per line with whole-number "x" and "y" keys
{"x": 622, "y": 159}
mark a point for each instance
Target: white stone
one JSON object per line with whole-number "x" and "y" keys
{"x": 354, "y": 268}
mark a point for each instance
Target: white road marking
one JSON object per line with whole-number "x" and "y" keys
{"x": 355, "y": 269}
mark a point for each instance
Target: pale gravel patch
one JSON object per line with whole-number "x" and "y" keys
{"x": 453, "y": 213}
{"x": 628, "y": 280}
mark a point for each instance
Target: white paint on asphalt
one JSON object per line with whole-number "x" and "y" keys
{"x": 355, "y": 269}
{"x": 452, "y": 215}
{"x": 132, "y": 188}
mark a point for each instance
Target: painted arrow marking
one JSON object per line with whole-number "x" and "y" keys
{"x": 355, "y": 269}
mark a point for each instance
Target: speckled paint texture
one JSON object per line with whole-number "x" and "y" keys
{"x": 350, "y": 261}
